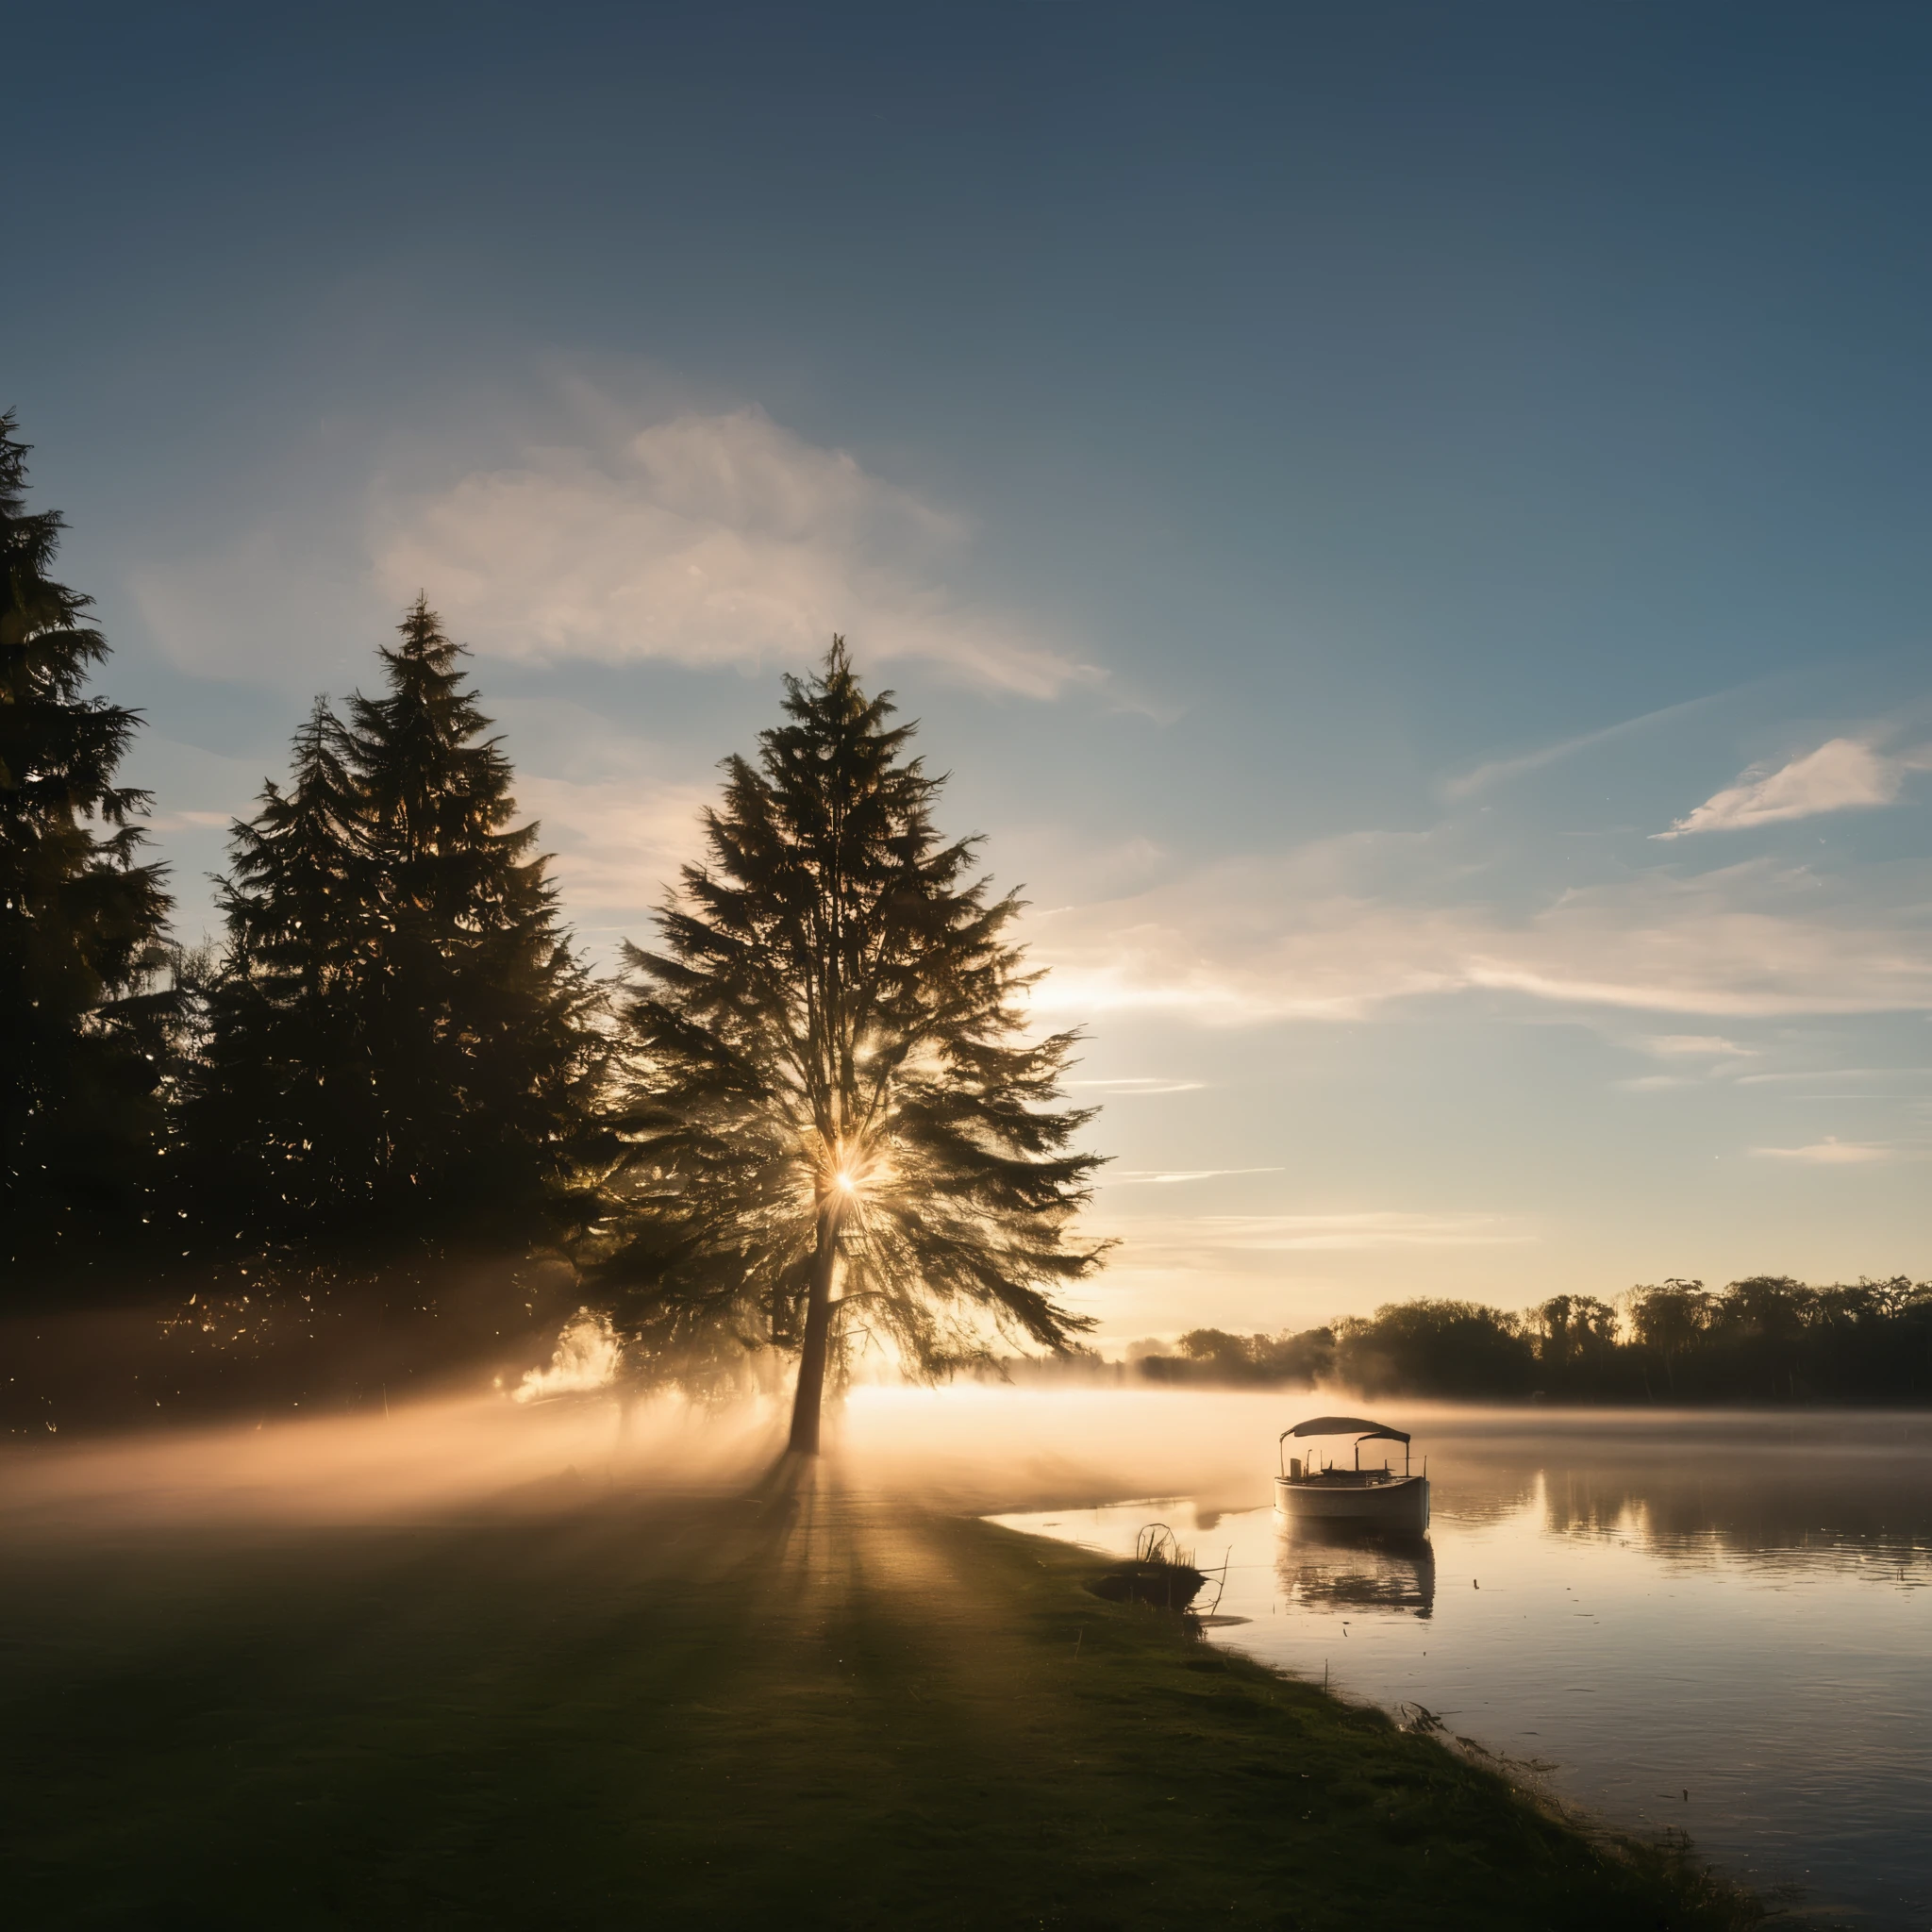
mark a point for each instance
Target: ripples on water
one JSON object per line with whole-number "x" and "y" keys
{"x": 1720, "y": 1625}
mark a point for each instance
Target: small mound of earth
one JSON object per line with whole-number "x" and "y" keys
{"x": 1166, "y": 1586}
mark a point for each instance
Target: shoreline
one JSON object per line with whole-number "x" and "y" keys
{"x": 710, "y": 1705}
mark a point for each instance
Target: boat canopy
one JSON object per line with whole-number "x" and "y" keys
{"x": 1345, "y": 1426}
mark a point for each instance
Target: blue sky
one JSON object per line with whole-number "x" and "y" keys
{"x": 1407, "y": 526}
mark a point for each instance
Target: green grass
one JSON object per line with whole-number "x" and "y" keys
{"x": 803, "y": 1710}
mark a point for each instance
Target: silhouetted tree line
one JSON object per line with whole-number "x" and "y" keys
{"x": 392, "y": 1117}
{"x": 1765, "y": 1338}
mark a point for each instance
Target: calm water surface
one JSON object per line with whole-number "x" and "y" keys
{"x": 1722, "y": 1626}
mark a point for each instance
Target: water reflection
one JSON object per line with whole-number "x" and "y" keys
{"x": 1858, "y": 1513}
{"x": 1334, "y": 1568}
{"x": 1713, "y": 1624}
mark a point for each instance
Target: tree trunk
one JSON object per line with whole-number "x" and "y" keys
{"x": 818, "y": 1331}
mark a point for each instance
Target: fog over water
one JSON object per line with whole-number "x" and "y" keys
{"x": 1710, "y": 1622}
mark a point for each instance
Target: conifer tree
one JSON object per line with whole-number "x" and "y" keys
{"x": 486, "y": 1066}
{"x": 81, "y": 927}
{"x": 280, "y": 1105}
{"x": 401, "y": 1025}
{"x": 832, "y": 1114}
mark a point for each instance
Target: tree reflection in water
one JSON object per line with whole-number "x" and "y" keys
{"x": 1725, "y": 1605}
{"x": 1856, "y": 1506}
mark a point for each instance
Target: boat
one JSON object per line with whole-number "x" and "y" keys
{"x": 1311, "y": 1488}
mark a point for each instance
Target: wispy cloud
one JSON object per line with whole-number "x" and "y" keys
{"x": 1154, "y": 1178}
{"x": 1333, "y": 932}
{"x": 1712, "y": 1048}
{"x": 706, "y": 539}
{"x": 1826, "y": 1073}
{"x": 616, "y": 842}
{"x": 1830, "y": 1152}
{"x": 1842, "y": 775}
{"x": 1687, "y": 1045}
{"x": 1329, "y": 1233}
{"x": 183, "y": 821}
{"x": 1500, "y": 771}
{"x": 1142, "y": 1083}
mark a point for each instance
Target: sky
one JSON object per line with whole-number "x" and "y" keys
{"x": 1406, "y": 525}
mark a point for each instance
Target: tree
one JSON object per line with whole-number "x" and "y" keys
{"x": 830, "y": 1106}
{"x": 282, "y": 1103}
{"x": 1213, "y": 1355}
{"x": 1774, "y": 1308}
{"x": 486, "y": 1064}
{"x": 82, "y": 925}
{"x": 401, "y": 1034}
{"x": 1431, "y": 1347}
{"x": 1671, "y": 1317}
{"x": 1572, "y": 1329}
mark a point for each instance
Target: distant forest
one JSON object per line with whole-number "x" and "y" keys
{"x": 1764, "y": 1340}
{"x": 393, "y": 1124}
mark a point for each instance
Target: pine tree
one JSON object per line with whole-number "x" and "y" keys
{"x": 280, "y": 1103}
{"x": 486, "y": 1066}
{"x": 82, "y": 926}
{"x": 401, "y": 1035}
{"x": 831, "y": 1110}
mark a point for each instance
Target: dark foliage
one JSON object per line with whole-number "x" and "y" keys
{"x": 1768, "y": 1337}
{"x": 401, "y": 1057}
{"x": 1765, "y": 1338}
{"x": 83, "y": 1014}
{"x": 1435, "y": 1348}
{"x": 828, "y": 1087}
{"x": 1213, "y": 1355}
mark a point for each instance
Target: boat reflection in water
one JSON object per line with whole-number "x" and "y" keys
{"x": 1713, "y": 1622}
{"x": 1332, "y": 1566}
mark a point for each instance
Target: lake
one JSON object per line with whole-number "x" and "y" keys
{"x": 1719, "y": 1625}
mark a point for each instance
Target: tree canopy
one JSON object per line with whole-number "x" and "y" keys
{"x": 82, "y": 925}
{"x": 401, "y": 1050}
{"x": 834, "y": 1120}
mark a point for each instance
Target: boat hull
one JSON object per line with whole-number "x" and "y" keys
{"x": 1401, "y": 1504}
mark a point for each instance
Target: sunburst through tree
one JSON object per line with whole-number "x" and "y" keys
{"x": 835, "y": 1119}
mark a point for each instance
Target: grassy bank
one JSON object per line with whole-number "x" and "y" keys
{"x": 810, "y": 1710}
